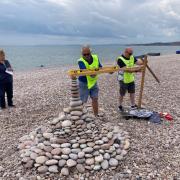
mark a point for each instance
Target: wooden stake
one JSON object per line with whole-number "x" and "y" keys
{"x": 142, "y": 82}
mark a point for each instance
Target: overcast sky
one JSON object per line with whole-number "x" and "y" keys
{"x": 88, "y": 21}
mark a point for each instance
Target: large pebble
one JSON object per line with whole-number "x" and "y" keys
{"x": 65, "y": 145}
{"x": 56, "y": 151}
{"x": 99, "y": 158}
{"x": 71, "y": 163}
{"x": 113, "y": 162}
{"x": 42, "y": 169}
{"x": 90, "y": 161}
{"x": 51, "y": 162}
{"x": 66, "y": 151}
{"x": 76, "y": 113}
{"x": 47, "y": 135}
{"x": 81, "y": 155}
{"x": 75, "y": 103}
{"x": 80, "y": 168}
{"x": 62, "y": 162}
{"x": 53, "y": 169}
{"x": 65, "y": 171}
{"x": 105, "y": 164}
{"x": 41, "y": 159}
{"x": 66, "y": 123}
{"x": 88, "y": 150}
{"x": 73, "y": 156}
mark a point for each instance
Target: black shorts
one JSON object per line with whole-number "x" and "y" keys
{"x": 130, "y": 87}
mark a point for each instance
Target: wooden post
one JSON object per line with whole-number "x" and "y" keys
{"x": 142, "y": 82}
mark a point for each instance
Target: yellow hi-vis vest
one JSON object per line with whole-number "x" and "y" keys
{"x": 91, "y": 81}
{"x": 128, "y": 77}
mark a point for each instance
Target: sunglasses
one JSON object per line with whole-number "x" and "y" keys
{"x": 129, "y": 53}
{"x": 86, "y": 54}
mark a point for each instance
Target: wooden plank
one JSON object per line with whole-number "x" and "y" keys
{"x": 142, "y": 82}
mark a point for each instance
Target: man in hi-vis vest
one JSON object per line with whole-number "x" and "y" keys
{"x": 88, "y": 84}
{"x": 126, "y": 79}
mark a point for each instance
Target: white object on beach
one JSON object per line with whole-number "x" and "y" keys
{"x": 9, "y": 72}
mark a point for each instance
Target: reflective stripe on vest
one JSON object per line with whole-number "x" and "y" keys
{"x": 91, "y": 81}
{"x": 128, "y": 77}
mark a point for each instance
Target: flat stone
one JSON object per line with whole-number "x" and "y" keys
{"x": 56, "y": 157}
{"x": 55, "y": 121}
{"x": 65, "y": 145}
{"x": 79, "y": 122}
{"x": 99, "y": 142}
{"x": 41, "y": 159}
{"x": 105, "y": 139}
{"x": 33, "y": 156}
{"x": 29, "y": 164}
{"x": 53, "y": 169}
{"x": 51, "y": 162}
{"x": 66, "y": 123}
{"x": 75, "y": 118}
{"x": 105, "y": 164}
{"x": 76, "y": 108}
{"x": 90, "y": 161}
{"x": 64, "y": 156}
{"x": 76, "y": 151}
{"x": 66, "y": 110}
{"x": 56, "y": 151}
{"x": 119, "y": 157}
{"x": 80, "y": 168}
{"x": 105, "y": 146}
{"x": 48, "y": 148}
{"x": 49, "y": 155}
{"x": 75, "y": 145}
{"x": 110, "y": 135}
{"x": 71, "y": 163}
{"x": 62, "y": 163}
{"x": 55, "y": 145}
{"x": 91, "y": 144}
{"x": 123, "y": 152}
{"x": 47, "y": 135}
{"x": 75, "y": 103}
{"x": 65, "y": 171}
{"x": 99, "y": 158}
{"x": 81, "y": 154}
{"x": 88, "y": 155}
{"x": 66, "y": 151}
{"x": 113, "y": 162}
{"x": 88, "y": 150}
{"x": 83, "y": 146}
{"x": 82, "y": 141}
{"x": 42, "y": 169}
{"x": 76, "y": 113}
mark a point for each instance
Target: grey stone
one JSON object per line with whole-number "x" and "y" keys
{"x": 53, "y": 169}
{"x": 105, "y": 164}
{"x": 88, "y": 150}
{"x": 42, "y": 169}
{"x": 113, "y": 162}
{"x": 66, "y": 123}
{"x": 41, "y": 159}
{"x": 81, "y": 155}
{"x": 75, "y": 103}
{"x": 47, "y": 135}
{"x": 99, "y": 158}
{"x": 65, "y": 145}
{"x": 90, "y": 161}
{"x": 65, "y": 171}
{"x": 66, "y": 151}
{"x": 80, "y": 168}
{"x": 51, "y": 162}
{"x": 73, "y": 156}
{"x": 56, "y": 151}
{"x": 70, "y": 163}
{"x": 97, "y": 167}
{"x": 76, "y": 113}
{"x": 62, "y": 162}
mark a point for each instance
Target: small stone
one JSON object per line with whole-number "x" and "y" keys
{"x": 81, "y": 161}
{"x": 105, "y": 139}
{"x": 99, "y": 142}
{"x": 56, "y": 151}
{"x": 91, "y": 144}
{"x": 41, "y": 159}
{"x": 66, "y": 151}
{"x": 62, "y": 162}
{"x": 110, "y": 135}
{"x": 64, "y": 156}
{"x": 29, "y": 164}
{"x": 53, "y": 169}
{"x": 83, "y": 146}
{"x": 97, "y": 167}
{"x": 82, "y": 141}
{"x": 90, "y": 161}
{"x": 33, "y": 156}
{"x": 42, "y": 169}
{"x": 127, "y": 144}
{"x": 123, "y": 152}
{"x": 81, "y": 155}
{"x": 71, "y": 163}
{"x": 75, "y": 145}
{"x": 61, "y": 116}
{"x": 73, "y": 156}
{"x": 79, "y": 122}
{"x": 48, "y": 148}
{"x": 99, "y": 158}
{"x": 47, "y": 135}
{"x": 105, "y": 146}
{"x": 65, "y": 145}
{"x": 51, "y": 162}
{"x": 80, "y": 168}
{"x": 119, "y": 157}
{"x": 1, "y": 169}
{"x": 113, "y": 162}
{"x": 76, "y": 151}
{"x": 55, "y": 121}
{"x": 75, "y": 118}
{"x": 66, "y": 110}
{"x": 55, "y": 145}
{"x": 105, "y": 164}
{"x": 88, "y": 150}
{"x": 66, "y": 123}
{"x": 65, "y": 171}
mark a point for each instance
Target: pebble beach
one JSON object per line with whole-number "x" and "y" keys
{"x": 41, "y": 94}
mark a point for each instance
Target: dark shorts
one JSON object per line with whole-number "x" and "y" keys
{"x": 85, "y": 92}
{"x": 130, "y": 87}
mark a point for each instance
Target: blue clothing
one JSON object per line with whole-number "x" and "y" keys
{"x": 85, "y": 92}
{"x": 5, "y": 77}
{"x": 82, "y": 66}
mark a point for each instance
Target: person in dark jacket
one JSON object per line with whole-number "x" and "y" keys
{"x": 6, "y": 81}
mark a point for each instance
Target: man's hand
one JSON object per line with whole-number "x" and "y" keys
{"x": 93, "y": 76}
{"x": 73, "y": 77}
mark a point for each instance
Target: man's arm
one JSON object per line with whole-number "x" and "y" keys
{"x": 138, "y": 61}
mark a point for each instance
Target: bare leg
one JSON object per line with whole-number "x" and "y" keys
{"x": 95, "y": 106}
{"x": 132, "y": 98}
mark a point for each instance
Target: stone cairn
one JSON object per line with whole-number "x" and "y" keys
{"x": 74, "y": 141}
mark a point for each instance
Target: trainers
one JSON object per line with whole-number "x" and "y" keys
{"x": 121, "y": 109}
{"x": 134, "y": 107}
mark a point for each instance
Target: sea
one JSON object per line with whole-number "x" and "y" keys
{"x": 24, "y": 58}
